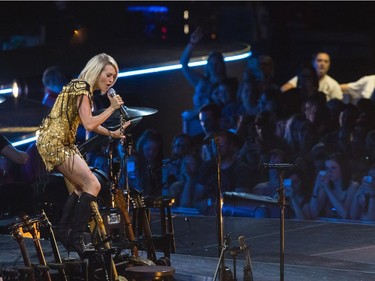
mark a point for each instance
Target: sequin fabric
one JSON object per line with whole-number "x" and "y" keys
{"x": 57, "y": 132}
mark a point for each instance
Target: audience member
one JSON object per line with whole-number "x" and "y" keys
{"x": 53, "y": 80}
{"x": 339, "y": 140}
{"x": 307, "y": 86}
{"x": 362, "y": 88}
{"x": 235, "y": 175}
{"x": 317, "y": 113}
{"x": 369, "y": 147}
{"x": 215, "y": 70}
{"x": 334, "y": 190}
{"x": 300, "y": 135}
{"x": 261, "y": 69}
{"x": 297, "y": 193}
{"x": 363, "y": 206}
{"x": 182, "y": 144}
{"x": 226, "y": 93}
{"x": 183, "y": 189}
{"x": 209, "y": 117}
{"x": 321, "y": 62}
{"x": 366, "y": 114}
{"x": 148, "y": 170}
{"x": 261, "y": 140}
{"x": 248, "y": 95}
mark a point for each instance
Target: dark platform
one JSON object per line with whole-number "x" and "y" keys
{"x": 314, "y": 250}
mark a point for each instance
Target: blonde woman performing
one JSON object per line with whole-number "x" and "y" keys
{"x": 56, "y": 138}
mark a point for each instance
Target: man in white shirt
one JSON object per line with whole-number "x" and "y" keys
{"x": 328, "y": 85}
{"x": 362, "y": 88}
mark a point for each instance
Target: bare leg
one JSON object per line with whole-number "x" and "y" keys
{"x": 78, "y": 173}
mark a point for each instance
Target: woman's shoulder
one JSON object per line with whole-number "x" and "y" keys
{"x": 77, "y": 86}
{"x": 80, "y": 84}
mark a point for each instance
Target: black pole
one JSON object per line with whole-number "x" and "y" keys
{"x": 282, "y": 223}
{"x": 219, "y": 213}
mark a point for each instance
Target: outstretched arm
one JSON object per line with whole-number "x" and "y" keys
{"x": 192, "y": 76}
{"x": 15, "y": 155}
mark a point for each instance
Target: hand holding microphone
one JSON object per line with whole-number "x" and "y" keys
{"x": 117, "y": 103}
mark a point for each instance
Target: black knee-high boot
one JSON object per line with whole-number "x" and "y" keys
{"x": 66, "y": 219}
{"x": 82, "y": 214}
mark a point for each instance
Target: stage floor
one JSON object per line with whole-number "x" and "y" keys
{"x": 314, "y": 250}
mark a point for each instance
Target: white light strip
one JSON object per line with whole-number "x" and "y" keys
{"x": 25, "y": 141}
{"x": 6, "y": 91}
{"x": 177, "y": 66}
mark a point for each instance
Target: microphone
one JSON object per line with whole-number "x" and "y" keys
{"x": 280, "y": 166}
{"x": 123, "y": 109}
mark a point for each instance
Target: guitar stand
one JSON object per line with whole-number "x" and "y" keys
{"x": 225, "y": 271}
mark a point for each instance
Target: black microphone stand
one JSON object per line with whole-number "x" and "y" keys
{"x": 281, "y": 201}
{"x": 219, "y": 213}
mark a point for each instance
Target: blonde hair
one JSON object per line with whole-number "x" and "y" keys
{"x": 95, "y": 66}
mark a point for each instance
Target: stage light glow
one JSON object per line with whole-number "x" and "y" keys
{"x": 148, "y": 9}
{"x": 186, "y": 29}
{"x": 10, "y": 89}
{"x": 15, "y": 89}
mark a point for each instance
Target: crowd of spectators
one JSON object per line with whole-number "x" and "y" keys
{"x": 323, "y": 128}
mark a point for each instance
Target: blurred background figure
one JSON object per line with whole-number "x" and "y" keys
{"x": 53, "y": 80}
{"x": 148, "y": 167}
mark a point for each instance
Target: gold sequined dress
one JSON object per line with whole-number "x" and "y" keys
{"x": 57, "y": 133}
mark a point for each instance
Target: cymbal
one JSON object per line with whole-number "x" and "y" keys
{"x": 2, "y": 99}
